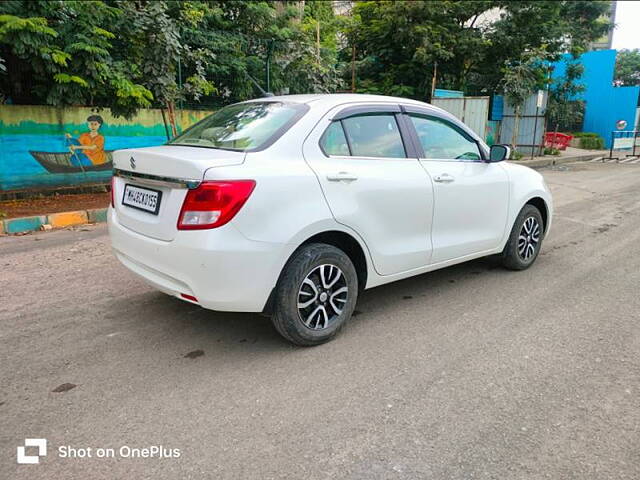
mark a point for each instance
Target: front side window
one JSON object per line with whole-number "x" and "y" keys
{"x": 374, "y": 135}
{"x": 442, "y": 141}
{"x": 244, "y": 126}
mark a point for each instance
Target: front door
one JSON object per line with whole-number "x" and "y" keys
{"x": 471, "y": 197}
{"x": 373, "y": 187}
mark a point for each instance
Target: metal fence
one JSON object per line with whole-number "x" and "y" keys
{"x": 624, "y": 141}
{"x": 531, "y": 124}
{"x": 473, "y": 111}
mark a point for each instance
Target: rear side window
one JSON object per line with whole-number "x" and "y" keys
{"x": 375, "y": 135}
{"x": 333, "y": 141}
{"x": 442, "y": 141}
{"x": 243, "y": 126}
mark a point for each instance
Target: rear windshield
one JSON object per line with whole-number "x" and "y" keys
{"x": 243, "y": 126}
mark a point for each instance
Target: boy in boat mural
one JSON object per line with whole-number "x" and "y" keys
{"x": 84, "y": 154}
{"x": 88, "y": 149}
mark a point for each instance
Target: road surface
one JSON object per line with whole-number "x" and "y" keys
{"x": 469, "y": 372}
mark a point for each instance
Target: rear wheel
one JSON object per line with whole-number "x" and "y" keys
{"x": 316, "y": 295}
{"x": 525, "y": 240}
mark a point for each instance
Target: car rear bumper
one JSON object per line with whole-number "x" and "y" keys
{"x": 223, "y": 269}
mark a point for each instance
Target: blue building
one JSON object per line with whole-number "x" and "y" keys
{"x": 604, "y": 103}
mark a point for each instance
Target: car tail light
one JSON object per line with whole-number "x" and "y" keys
{"x": 113, "y": 185}
{"x": 214, "y": 203}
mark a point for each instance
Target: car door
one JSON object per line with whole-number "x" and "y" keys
{"x": 374, "y": 183}
{"x": 471, "y": 196}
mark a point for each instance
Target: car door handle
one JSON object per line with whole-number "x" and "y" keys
{"x": 444, "y": 178}
{"x": 341, "y": 177}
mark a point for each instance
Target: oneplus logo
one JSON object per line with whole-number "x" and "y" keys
{"x": 41, "y": 443}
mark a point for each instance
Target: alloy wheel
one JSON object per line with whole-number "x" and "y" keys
{"x": 322, "y": 296}
{"x": 529, "y": 238}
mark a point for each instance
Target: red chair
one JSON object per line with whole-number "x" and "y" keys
{"x": 557, "y": 140}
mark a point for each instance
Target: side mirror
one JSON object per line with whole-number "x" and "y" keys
{"x": 498, "y": 153}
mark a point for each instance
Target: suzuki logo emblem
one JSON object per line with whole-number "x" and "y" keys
{"x": 132, "y": 161}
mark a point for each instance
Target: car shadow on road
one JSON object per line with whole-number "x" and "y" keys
{"x": 206, "y": 329}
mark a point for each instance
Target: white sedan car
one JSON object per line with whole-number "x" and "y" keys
{"x": 292, "y": 205}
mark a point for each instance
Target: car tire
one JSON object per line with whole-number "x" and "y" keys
{"x": 525, "y": 240}
{"x": 316, "y": 295}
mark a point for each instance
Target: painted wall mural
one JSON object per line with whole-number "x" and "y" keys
{"x": 43, "y": 146}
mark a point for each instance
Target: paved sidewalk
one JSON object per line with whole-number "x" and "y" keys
{"x": 566, "y": 156}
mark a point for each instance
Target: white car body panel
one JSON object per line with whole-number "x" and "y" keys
{"x": 404, "y": 222}
{"x": 395, "y": 225}
{"x": 470, "y": 211}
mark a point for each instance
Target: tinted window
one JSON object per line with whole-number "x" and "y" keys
{"x": 242, "y": 126}
{"x": 440, "y": 140}
{"x": 374, "y": 136}
{"x": 333, "y": 141}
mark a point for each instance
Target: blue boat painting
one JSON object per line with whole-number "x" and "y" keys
{"x": 64, "y": 162}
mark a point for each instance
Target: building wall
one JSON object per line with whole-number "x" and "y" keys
{"x": 604, "y": 103}
{"x": 25, "y": 129}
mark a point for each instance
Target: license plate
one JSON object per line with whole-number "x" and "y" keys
{"x": 144, "y": 199}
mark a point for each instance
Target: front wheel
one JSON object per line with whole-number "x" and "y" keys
{"x": 316, "y": 294}
{"x": 525, "y": 240}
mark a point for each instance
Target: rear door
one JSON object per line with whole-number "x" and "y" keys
{"x": 374, "y": 183}
{"x": 471, "y": 196}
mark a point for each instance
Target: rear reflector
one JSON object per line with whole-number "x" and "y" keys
{"x": 214, "y": 203}
{"x": 189, "y": 297}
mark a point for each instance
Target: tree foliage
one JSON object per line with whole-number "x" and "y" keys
{"x": 564, "y": 110}
{"x": 628, "y": 67}
{"x": 398, "y": 43}
{"x": 130, "y": 54}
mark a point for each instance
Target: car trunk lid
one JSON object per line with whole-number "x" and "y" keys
{"x": 150, "y": 184}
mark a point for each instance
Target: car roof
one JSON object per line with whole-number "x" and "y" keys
{"x": 333, "y": 99}
{"x": 324, "y": 102}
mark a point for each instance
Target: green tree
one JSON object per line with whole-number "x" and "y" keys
{"x": 628, "y": 67}
{"x": 62, "y": 53}
{"x": 399, "y": 43}
{"x": 521, "y": 79}
{"x": 152, "y": 33}
{"x": 564, "y": 109}
{"x": 129, "y": 54}
{"x": 555, "y": 27}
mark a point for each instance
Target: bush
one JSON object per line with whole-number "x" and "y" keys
{"x": 515, "y": 155}
{"x": 592, "y": 143}
{"x": 551, "y": 151}
{"x": 584, "y": 134}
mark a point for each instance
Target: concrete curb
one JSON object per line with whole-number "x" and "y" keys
{"x": 54, "y": 220}
{"x": 550, "y": 162}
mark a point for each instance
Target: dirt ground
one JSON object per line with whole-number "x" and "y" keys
{"x": 53, "y": 204}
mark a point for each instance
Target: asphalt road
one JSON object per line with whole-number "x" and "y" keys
{"x": 469, "y": 372}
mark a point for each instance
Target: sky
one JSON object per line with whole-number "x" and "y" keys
{"x": 627, "y": 31}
